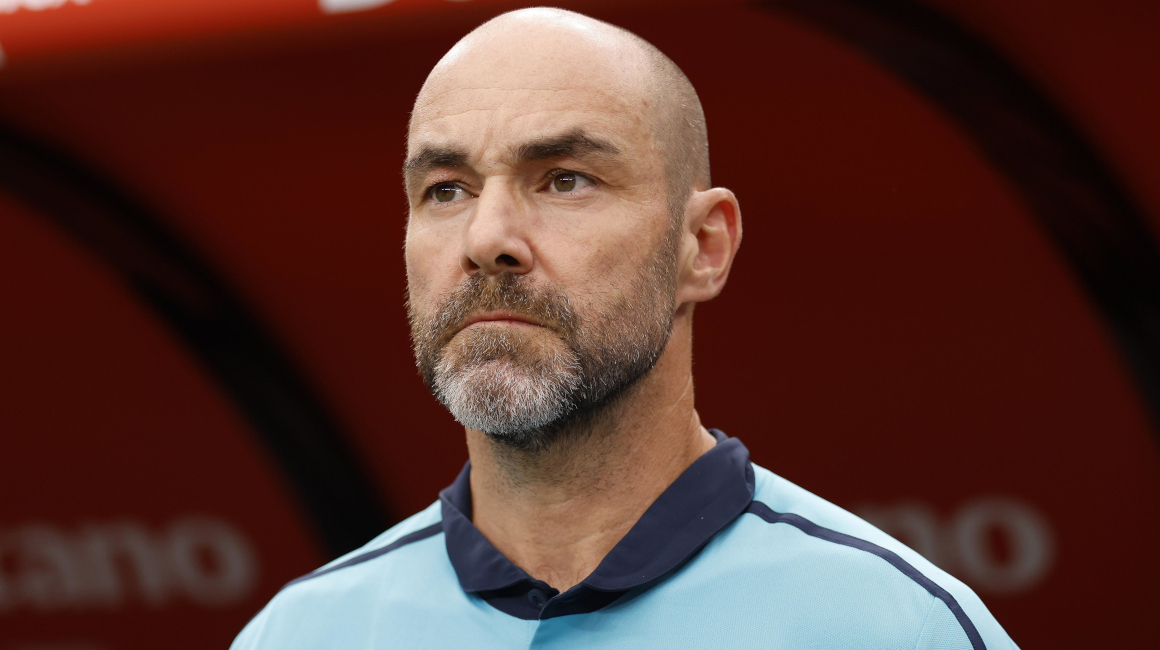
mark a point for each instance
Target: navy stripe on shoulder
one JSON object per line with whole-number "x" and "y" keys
{"x": 810, "y": 528}
{"x": 421, "y": 534}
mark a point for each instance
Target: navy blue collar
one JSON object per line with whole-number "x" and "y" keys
{"x": 707, "y": 497}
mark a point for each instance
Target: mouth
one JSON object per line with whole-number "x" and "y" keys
{"x": 500, "y": 318}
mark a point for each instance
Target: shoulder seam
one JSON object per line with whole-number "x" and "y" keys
{"x": 415, "y": 536}
{"x": 810, "y": 528}
{"x": 925, "y": 622}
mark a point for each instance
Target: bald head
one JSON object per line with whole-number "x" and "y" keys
{"x": 553, "y": 48}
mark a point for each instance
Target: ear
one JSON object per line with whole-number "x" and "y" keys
{"x": 712, "y": 234}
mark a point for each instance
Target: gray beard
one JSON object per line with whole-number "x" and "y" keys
{"x": 489, "y": 389}
{"x": 524, "y": 388}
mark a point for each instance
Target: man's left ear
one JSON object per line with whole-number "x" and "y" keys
{"x": 712, "y": 234}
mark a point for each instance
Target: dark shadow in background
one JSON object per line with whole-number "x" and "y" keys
{"x": 342, "y": 507}
{"x": 1086, "y": 213}
{"x": 1084, "y": 210}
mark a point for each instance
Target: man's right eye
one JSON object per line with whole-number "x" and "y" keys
{"x": 446, "y": 192}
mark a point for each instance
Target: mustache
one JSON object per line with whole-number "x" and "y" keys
{"x": 507, "y": 292}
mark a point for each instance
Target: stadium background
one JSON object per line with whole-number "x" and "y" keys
{"x": 945, "y": 315}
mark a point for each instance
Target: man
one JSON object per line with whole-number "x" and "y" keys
{"x": 562, "y": 229}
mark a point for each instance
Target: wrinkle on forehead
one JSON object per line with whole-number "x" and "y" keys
{"x": 507, "y": 116}
{"x": 592, "y": 98}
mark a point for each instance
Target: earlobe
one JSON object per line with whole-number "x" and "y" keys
{"x": 713, "y": 222}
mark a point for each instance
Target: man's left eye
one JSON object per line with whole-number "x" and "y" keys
{"x": 565, "y": 182}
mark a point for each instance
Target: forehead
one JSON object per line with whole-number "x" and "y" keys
{"x": 491, "y": 94}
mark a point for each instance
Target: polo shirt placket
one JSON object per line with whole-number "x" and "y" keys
{"x": 707, "y": 497}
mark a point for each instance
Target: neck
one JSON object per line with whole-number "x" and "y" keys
{"x": 557, "y": 512}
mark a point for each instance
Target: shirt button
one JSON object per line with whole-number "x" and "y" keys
{"x": 537, "y": 598}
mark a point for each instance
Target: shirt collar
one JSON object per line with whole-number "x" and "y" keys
{"x": 709, "y": 495}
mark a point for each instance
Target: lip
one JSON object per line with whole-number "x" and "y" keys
{"x": 499, "y": 317}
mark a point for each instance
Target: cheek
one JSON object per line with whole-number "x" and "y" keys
{"x": 432, "y": 264}
{"x": 605, "y": 266}
{"x": 421, "y": 284}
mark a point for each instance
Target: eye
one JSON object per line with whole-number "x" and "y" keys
{"x": 446, "y": 192}
{"x": 565, "y": 181}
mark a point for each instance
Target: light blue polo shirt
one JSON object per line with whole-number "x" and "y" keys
{"x": 729, "y": 556}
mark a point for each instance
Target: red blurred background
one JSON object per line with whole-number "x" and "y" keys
{"x": 206, "y": 387}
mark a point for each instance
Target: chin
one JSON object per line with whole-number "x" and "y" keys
{"x": 506, "y": 398}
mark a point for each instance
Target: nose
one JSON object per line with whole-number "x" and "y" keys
{"x": 496, "y": 239}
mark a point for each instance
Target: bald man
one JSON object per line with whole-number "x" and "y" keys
{"x": 562, "y": 228}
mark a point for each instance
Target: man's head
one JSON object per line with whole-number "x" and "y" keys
{"x": 556, "y": 167}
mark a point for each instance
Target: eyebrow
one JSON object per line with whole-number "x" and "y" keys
{"x": 430, "y": 158}
{"x": 576, "y": 143}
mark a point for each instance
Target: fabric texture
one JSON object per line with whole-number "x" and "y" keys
{"x": 721, "y": 560}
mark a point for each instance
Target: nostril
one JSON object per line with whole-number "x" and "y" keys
{"x": 507, "y": 260}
